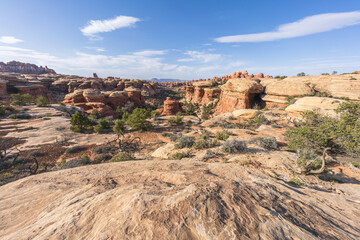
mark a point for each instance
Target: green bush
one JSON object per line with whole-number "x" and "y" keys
{"x": 205, "y": 143}
{"x": 155, "y": 114}
{"x": 234, "y": 146}
{"x": 295, "y": 182}
{"x": 206, "y": 111}
{"x": 2, "y": 111}
{"x": 137, "y": 120}
{"x": 257, "y": 121}
{"x": 268, "y": 143}
{"x": 95, "y": 114}
{"x": 21, "y": 100}
{"x": 79, "y": 122}
{"x": 179, "y": 155}
{"x": 223, "y": 135}
{"x": 20, "y": 116}
{"x": 190, "y": 109}
{"x": 302, "y": 74}
{"x": 42, "y": 101}
{"x": 177, "y": 120}
{"x": 122, "y": 113}
{"x": 306, "y": 155}
{"x": 102, "y": 125}
{"x": 316, "y": 132}
{"x": 123, "y": 156}
{"x": 184, "y": 141}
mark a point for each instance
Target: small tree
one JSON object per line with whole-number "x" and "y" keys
{"x": 302, "y": 74}
{"x": 103, "y": 124}
{"x": 137, "y": 120}
{"x": 125, "y": 144}
{"x": 42, "y": 101}
{"x": 20, "y": 100}
{"x": 2, "y": 111}
{"x": 79, "y": 122}
{"x": 334, "y": 72}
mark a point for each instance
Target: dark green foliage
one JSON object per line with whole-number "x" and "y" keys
{"x": 79, "y": 122}
{"x": 184, "y": 141}
{"x": 305, "y": 156}
{"x": 20, "y": 116}
{"x": 123, "y": 156}
{"x": 334, "y": 72}
{"x": 155, "y": 114}
{"x": 104, "y": 149}
{"x": 317, "y": 132}
{"x": 295, "y": 182}
{"x": 74, "y": 149}
{"x": 102, "y": 125}
{"x": 95, "y": 114}
{"x": 234, "y": 146}
{"x": 190, "y": 109}
{"x": 325, "y": 74}
{"x": 137, "y": 120}
{"x": 280, "y": 77}
{"x": 302, "y": 74}
{"x": 119, "y": 127}
{"x": 42, "y": 101}
{"x": 223, "y": 135}
{"x": 322, "y": 94}
{"x": 20, "y": 100}
{"x": 206, "y": 111}
{"x": 122, "y": 113}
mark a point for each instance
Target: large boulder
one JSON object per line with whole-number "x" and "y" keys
{"x": 171, "y": 107}
{"x": 238, "y": 93}
{"x": 289, "y": 88}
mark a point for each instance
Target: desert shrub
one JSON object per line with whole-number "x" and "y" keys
{"x": 79, "y": 122}
{"x": 206, "y": 111}
{"x": 184, "y": 141}
{"x": 226, "y": 124}
{"x": 352, "y": 78}
{"x": 74, "y": 149}
{"x": 317, "y": 132}
{"x": 268, "y": 143}
{"x": 334, "y": 72}
{"x": 325, "y": 74}
{"x": 280, "y": 77}
{"x": 20, "y": 116}
{"x": 155, "y": 114}
{"x": 42, "y": 101}
{"x": 306, "y": 155}
{"x": 137, "y": 120}
{"x": 234, "y": 146}
{"x": 104, "y": 149}
{"x": 179, "y": 155}
{"x": 356, "y": 164}
{"x": 205, "y": 143}
{"x": 123, "y": 156}
{"x": 258, "y": 120}
{"x": 302, "y": 74}
{"x": 122, "y": 113}
{"x": 75, "y": 163}
{"x": 174, "y": 137}
{"x": 166, "y": 134}
{"x": 98, "y": 158}
{"x": 177, "y": 120}
{"x": 190, "y": 109}
{"x": 290, "y": 100}
{"x": 209, "y": 154}
{"x": 295, "y": 182}
{"x": 223, "y": 135}
{"x": 2, "y": 111}
{"x": 36, "y": 153}
{"x": 20, "y": 100}
{"x": 102, "y": 125}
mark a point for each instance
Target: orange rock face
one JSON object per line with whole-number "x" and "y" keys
{"x": 171, "y": 107}
{"x": 34, "y": 90}
{"x": 3, "y": 89}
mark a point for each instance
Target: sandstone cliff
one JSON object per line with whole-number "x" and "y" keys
{"x": 24, "y": 68}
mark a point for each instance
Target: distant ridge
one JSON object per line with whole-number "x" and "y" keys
{"x": 24, "y": 68}
{"x": 160, "y": 80}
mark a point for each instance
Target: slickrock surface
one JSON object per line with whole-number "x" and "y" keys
{"x": 173, "y": 200}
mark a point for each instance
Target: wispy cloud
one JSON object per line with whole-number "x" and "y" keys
{"x": 196, "y": 56}
{"x": 149, "y": 53}
{"x": 97, "y": 49}
{"x": 9, "y": 40}
{"x": 99, "y": 26}
{"x": 306, "y": 26}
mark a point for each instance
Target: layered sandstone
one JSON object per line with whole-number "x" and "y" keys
{"x": 24, "y": 68}
{"x": 238, "y": 93}
{"x": 171, "y": 107}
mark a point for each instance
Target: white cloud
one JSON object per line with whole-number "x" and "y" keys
{"x": 108, "y": 25}
{"x": 149, "y": 53}
{"x": 196, "y": 56}
{"x": 306, "y": 26}
{"x": 9, "y": 40}
{"x": 97, "y": 49}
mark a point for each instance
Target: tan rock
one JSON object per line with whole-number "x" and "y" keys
{"x": 289, "y": 88}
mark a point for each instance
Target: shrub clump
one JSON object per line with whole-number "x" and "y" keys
{"x": 20, "y": 116}
{"x": 205, "y": 143}
{"x": 234, "y": 146}
{"x": 42, "y": 101}
{"x": 74, "y": 149}
{"x": 2, "y": 111}
{"x": 184, "y": 141}
{"x": 179, "y": 155}
{"x": 104, "y": 149}
{"x": 137, "y": 120}
{"x": 21, "y": 100}
{"x": 123, "y": 156}
{"x": 268, "y": 143}
{"x": 177, "y": 120}
{"x": 79, "y": 122}
{"x": 223, "y": 135}
{"x": 101, "y": 126}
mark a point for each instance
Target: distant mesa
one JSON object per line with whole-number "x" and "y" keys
{"x": 24, "y": 68}
{"x": 161, "y": 80}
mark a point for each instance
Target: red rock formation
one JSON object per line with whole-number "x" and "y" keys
{"x": 3, "y": 89}
{"x": 24, "y": 68}
{"x": 356, "y": 72}
{"x": 33, "y": 90}
{"x": 171, "y": 107}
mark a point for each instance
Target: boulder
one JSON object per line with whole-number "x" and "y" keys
{"x": 171, "y": 107}
{"x": 92, "y": 95}
{"x": 323, "y": 105}
{"x": 289, "y": 88}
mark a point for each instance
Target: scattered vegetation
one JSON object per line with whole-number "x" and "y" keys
{"x": 268, "y": 143}
{"x": 138, "y": 120}
{"x": 234, "y": 146}
{"x": 122, "y": 156}
{"x": 79, "y": 122}
{"x": 177, "y": 120}
{"x": 223, "y": 135}
{"x": 18, "y": 99}
{"x": 179, "y": 155}
{"x": 290, "y": 100}
{"x": 184, "y": 141}
{"x": 295, "y": 182}
{"x": 74, "y": 149}
{"x": 205, "y": 143}
{"x": 2, "y": 111}
{"x": 302, "y": 74}
{"x": 42, "y": 101}
{"x": 101, "y": 126}
{"x": 20, "y": 116}
{"x": 190, "y": 109}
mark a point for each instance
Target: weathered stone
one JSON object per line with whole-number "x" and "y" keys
{"x": 171, "y": 107}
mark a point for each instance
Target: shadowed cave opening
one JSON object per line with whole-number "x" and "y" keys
{"x": 255, "y": 101}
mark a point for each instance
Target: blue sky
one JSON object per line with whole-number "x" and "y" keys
{"x": 182, "y": 39}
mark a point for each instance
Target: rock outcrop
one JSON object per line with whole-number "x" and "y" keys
{"x": 171, "y": 107}
{"x": 3, "y": 89}
{"x": 239, "y": 93}
{"x": 204, "y": 92}
{"x": 33, "y": 90}
{"x": 172, "y": 200}
{"x": 24, "y": 68}
{"x": 105, "y": 102}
